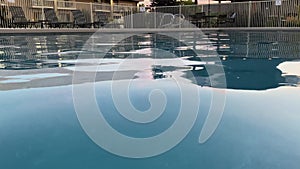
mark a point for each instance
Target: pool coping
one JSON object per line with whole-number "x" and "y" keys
{"x": 7, "y": 31}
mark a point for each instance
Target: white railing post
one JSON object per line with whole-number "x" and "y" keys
{"x": 249, "y": 13}
{"x": 131, "y": 19}
{"x": 111, "y": 8}
{"x": 180, "y": 14}
{"x": 55, "y": 5}
{"x": 92, "y": 14}
{"x": 43, "y": 11}
{"x": 155, "y": 25}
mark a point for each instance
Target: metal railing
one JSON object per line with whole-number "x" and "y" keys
{"x": 34, "y": 11}
{"x": 248, "y": 14}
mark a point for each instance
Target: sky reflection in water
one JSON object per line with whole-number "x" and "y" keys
{"x": 259, "y": 128}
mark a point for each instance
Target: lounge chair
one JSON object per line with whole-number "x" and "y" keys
{"x": 178, "y": 20}
{"x": 4, "y": 21}
{"x": 198, "y": 19}
{"x": 166, "y": 20}
{"x": 80, "y": 20}
{"x": 52, "y": 20}
{"x": 232, "y": 17}
{"x": 291, "y": 19}
{"x": 169, "y": 20}
{"x": 222, "y": 19}
{"x": 19, "y": 19}
{"x": 102, "y": 19}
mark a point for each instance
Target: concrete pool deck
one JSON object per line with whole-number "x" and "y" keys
{"x": 9, "y": 31}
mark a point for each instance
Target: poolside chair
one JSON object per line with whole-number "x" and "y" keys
{"x": 178, "y": 20}
{"x": 80, "y": 20}
{"x": 291, "y": 19}
{"x": 52, "y": 20}
{"x": 222, "y": 19}
{"x": 169, "y": 20}
{"x": 102, "y": 19}
{"x": 4, "y": 21}
{"x": 198, "y": 19}
{"x": 166, "y": 20}
{"x": 232, "y": 17}
{"x": 19, "y": 19}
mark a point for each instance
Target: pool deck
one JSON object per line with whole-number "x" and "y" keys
{"x": 9, "y": 31}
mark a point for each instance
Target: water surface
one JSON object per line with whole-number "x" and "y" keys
{"x": 259, "y": 128}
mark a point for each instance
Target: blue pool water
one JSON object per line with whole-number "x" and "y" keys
{"x": 39, "y": 127}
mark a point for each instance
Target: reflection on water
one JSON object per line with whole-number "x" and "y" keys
{"x": 257, "y": 44}
{"x": 30, "y": 64}
{"x": 28, "y": 78}
{"x": 248, "y": 58}
{"x": 34, "y": 52}
{"x": 249, "y": 74}
{"x": 259, "y": 128}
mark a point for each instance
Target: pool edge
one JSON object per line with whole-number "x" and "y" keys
{"x": 5, "y": 31}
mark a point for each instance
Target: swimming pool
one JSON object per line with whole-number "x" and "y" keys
{"x": 258, "y": 128}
